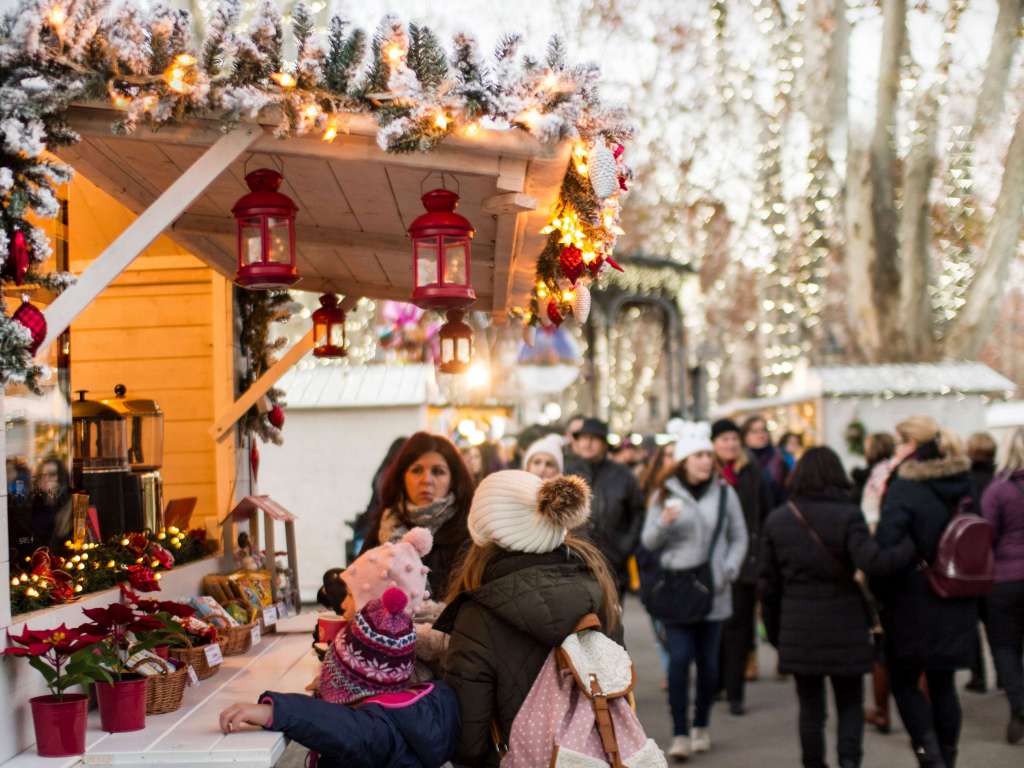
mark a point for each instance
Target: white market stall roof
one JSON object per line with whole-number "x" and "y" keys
{"x": 1005, "y": 415}
{"x": 358, "y": 386}
{"x": 899, "y": 380}
{"x": 355, "y": 200}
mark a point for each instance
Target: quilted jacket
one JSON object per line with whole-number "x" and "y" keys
{"x": 502, "y": 633}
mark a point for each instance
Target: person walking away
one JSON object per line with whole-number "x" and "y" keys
{"x": 694, "y": 519}
{"x": 521, "y": 589}
{"x": 924, "y": 633}
{"x": 1003, "y": 506}
{"x": 739, "y": 638}
{"x": 617, "y": 508}
{"x": 981, "y": 451}
{"x": 758, "y": 440}
{"x": 815, "y": 612}
{"x": 544, "y": 457}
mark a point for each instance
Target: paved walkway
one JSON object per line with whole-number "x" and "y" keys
{"x": 767, "y": 737}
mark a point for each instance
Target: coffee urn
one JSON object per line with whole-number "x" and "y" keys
{"x": 144, "y": 488}
{"x": 100, "y": 460}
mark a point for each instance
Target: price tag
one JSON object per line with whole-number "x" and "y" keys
{"x": 213, "y": 654}
{"x": 193, "y": 678}
{"x": 270, "y": 616}
{"x": 254, "y": 633}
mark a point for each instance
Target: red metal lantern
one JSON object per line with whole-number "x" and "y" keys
{"x": 441, "y": 254}
{"x": 266, "y": 233}
{"x": 329, "y": 339}
{"x": 456, "y": 343}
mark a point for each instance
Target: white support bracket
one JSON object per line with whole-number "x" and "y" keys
{"x": 226, "y": 421}
{"x": 145, "y": 229}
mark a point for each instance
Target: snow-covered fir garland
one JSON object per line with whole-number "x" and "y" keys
{"x": 56, "y": 52}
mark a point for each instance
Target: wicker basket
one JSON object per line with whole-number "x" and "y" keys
{"x": 235, "y": 641}
{"x": 165, "y": 691}
{"x": 196, "y": 658}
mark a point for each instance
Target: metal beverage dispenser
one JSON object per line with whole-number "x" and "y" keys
{"x": 99, "y": 451}
{"x": 145, "y": 448}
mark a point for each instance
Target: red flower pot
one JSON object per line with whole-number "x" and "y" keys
{"x": 60, "y": 724}
{"x": 162, "y": 651}
{"x": 122, "y": 705}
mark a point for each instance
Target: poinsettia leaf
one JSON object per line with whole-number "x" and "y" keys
{"x": 44, "y": 669}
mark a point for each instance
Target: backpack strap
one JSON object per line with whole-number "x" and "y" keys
{"x": 603, "y": 720}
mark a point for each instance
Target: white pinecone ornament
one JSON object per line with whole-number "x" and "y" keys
{"x": 603, "y": 173}
{"x": 530, "y": 335}
{"x": 581, "y": 303}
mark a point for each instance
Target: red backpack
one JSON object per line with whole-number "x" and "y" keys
{"x": 964, "y": 565}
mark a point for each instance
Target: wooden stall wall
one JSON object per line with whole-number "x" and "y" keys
{"x": 156, "y": 330}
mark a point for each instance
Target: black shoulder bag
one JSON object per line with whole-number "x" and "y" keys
{"x": 685, "y": 596}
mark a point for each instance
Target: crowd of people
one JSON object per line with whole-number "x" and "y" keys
{"x": 470, "y": 567}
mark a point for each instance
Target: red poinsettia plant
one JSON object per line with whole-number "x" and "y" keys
{"x": 63, "y": 656}
{"x": 125, "y": 632}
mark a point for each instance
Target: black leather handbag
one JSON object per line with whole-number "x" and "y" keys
{"x": 685, "y": 596}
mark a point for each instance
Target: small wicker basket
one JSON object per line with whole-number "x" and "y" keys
{"x": 235, "y": 641}
{"x": 165, "y": 691}
{"x": 196, "y": 658}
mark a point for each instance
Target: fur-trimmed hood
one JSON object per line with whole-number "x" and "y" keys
{"x": 933, "y": 469}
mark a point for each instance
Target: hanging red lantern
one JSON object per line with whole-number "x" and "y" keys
{"x": 329, "y": 338}
{"x": 266, "y": 233}
{"x": 441, "y": 254}
{"x": 456, "y": 343}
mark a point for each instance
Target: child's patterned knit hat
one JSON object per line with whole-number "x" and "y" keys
{"x": 373, "y": 653}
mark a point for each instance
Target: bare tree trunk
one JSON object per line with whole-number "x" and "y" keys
{"x": 885, "y": 274}
{"x": 862, "y": 312}
{"x": 973, "y": 324}
{"x": 997, "y": 69}
{"x": 915, "y": 236}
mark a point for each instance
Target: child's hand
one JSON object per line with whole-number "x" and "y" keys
{"x": 234, "y": 717}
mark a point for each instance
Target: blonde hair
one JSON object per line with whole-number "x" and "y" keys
{"x": 950, "y": 444}
{"x": 920, "y": 429}
{"x": 469, "y": 574}
{"x": 1014, "y": 460}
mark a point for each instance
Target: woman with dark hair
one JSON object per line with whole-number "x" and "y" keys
{"x": 814, "y": 611}
{"x": 428, "y": 486}
{"x": 758, "y": 440}
{"x": 51, "y": 504}
{"x": 924, "y": 633}
{"x": 791, "y": 446}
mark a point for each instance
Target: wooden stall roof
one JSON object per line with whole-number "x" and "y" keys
{"x": 355, "y": 200}
{"x": 261, "y": 503}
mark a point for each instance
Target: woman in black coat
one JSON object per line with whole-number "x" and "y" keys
{"x": 925, "y": 633}
{"x": 814, "y": 611}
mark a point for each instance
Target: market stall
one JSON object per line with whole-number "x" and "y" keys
{"x": 338, "y": 173}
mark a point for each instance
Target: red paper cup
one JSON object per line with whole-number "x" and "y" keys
{"x": 328, "y": 626}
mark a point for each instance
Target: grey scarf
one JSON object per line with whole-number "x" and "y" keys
{"x": 396, "y": 522}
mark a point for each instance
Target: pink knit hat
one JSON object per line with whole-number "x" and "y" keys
{"x": 373, "y": 653}
{"x": 392, "y": 564}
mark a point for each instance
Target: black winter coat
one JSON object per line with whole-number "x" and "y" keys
{"x": 814, "y": 612}
{"x": 755, "y": 495}
{"x": 616, "y": 509}
{"x": 921, "y": 628}
{"x": 501, "y": 635}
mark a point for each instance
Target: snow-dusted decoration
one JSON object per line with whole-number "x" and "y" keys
{"x": 142, "y": 58}
{"x": 602, "y": 170}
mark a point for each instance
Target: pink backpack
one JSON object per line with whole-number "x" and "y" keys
{"x": 577, "y": 714}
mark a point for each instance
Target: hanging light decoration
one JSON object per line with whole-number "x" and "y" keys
{"x": 329, "y": 338}
{"x": 441, "y": 254}
{"x": 456, "y": 343}
{"x": 266, "y": 233}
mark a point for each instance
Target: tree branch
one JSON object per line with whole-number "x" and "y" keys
{"x": 997, "y": 69}
{"x": 974, "y": 322}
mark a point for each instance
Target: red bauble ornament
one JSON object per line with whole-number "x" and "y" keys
{"x": 254, "y": 459}
{"x": 595, "y": 265}
{"x": 553, "y": 314}
{"x": 16, "y": 265}
{"x": 571, "y": 260}
{"x": 30, "y": 317}
{"x": 617, "y": 152}
{"x": 276, "y": 417}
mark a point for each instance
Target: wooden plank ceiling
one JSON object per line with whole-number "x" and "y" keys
{"x": 355, "y": 203}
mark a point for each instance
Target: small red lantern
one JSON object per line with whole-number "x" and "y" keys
{"x": 456, "y": 343}
{"x": 441, "y": 254}
{"x": 329, "y": 339}
{"x": 266, "y": 233}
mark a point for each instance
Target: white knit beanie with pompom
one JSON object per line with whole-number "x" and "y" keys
{"x": 522, "y": 513}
